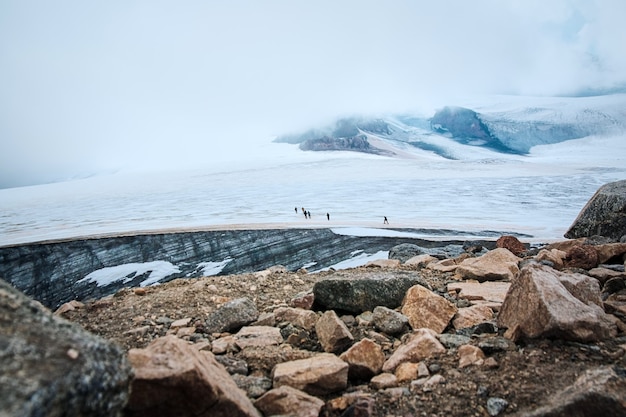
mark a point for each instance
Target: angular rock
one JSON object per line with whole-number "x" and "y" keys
{"x": 425, "y": 309}
{"x": 289, "y": 401}
{"x": 404, "y": 252}
{"x": 496, "y": 265}
{"x": 470, "y": 355}
{"x": 420, "y": 260}
{"x": 389, "y": 321}
{"x": 489, "y": 291}
{"x": 51, "y": 367}
{"x": 605, "y": 274}
{"x": 172, "y": 378}
{"x": 332, "y": 333}
{"x": 363, "y": 294}
{"x": 582, "y": 256}
{"x": 598, "y": 392}
{"x": 422, "y": 344}
{"x": 383, "y": 381}
{"x": 471, "y": 316}
{"x": 305, "y": 319}
{"x": 365, "y": 359}
{"x": 511, "y": 243}
{"x": 303, "y": 300}
{"x": 554, "y": 256}
{"x": 611, "y": 251}
{"x": 445, "y": 265}
{"x": 258, "y": 336}
{"x": 604, "y": 214}
{"x": 320, "y": 375}
{"x": 69, "y": 306}
{"x": 383, "y": 263}
{"x": 406, "y": 371}
{"x": 254, "y": 386}
{"x": 231, "y": 316}
{"x": 538, "y": 304}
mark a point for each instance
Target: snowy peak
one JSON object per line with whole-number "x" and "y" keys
{"x": 504, "y": 125}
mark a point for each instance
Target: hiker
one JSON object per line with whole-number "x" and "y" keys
{"x": 296, "y": 210}
{"x": 328, "y": 216}
{"x": 308, "y": 214}
{"x": 385, "y": 221}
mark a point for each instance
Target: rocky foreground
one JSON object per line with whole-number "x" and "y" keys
{"x": 510, "y": 331}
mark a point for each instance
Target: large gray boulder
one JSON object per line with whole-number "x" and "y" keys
{"x": 51, "y": 367}
{"x": 604, "y": 214}
{"x": 364, "y": 293}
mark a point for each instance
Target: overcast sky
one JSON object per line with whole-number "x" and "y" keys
{"x": 94, "y": 86}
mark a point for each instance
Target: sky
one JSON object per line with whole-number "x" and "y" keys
{"x": 92, "y": 87}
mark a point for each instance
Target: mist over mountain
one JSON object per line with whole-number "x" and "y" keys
{"x": 505, "y": 125}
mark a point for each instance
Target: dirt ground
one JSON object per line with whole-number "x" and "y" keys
{"x": 526, "y": 377}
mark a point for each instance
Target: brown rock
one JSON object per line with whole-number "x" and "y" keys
{"x": 69, "y": 306}
{"x": 365, "y": 359}
{"x": 496, "y": 265}
{"x": 384, "y": 263}
{"x": 289, "y": 401}
{"x": 332, "y": 333}
{"x": 481, "y": 291}
{"x": 305, "y": 319}
{"x": 471, "y": 316}
{"x": 425, "y": 309}
{"x": 304, "y": 301}
{"x": 172, "y": 378}
{"x": 511, "y": 243}
{"x": 610, "y": 251}
{"x": 598, "y": 392}
{"x": 538, "y": 304}
{"x": 555, "y": 256}
{"x": 406, "y": 371}
{"x": 582, "y": 256}
{"x": 445, "y": 265}
{"x": 470, "y": 355}
{"x": 319, "y": 375}
{"x": 384, "y": 381}
{"x": 605, "y": 274}
{"x": 421, "y": 260}
{"x": 422, "y": 344}
{"x": 258, "y": 336}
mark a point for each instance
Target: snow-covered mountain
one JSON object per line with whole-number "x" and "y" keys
{"x": 501, "y": 124}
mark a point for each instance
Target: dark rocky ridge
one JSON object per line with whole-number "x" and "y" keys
{"x": 49, "y": 272}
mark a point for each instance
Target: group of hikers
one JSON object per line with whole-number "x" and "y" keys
{"x": 307, "y": 215}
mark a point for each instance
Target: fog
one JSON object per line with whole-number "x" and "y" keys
{"x": 87, "y": 88}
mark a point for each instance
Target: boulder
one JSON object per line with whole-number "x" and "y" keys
{"x": 422, "y": 344}
{"x": 496, "y": 265}
{"x": 511, "y": 243}
{"x": 383, "y": 263}
{"x": 332, "y": 333}
{"x": 365, "y": 359}
{"x": 611, "y": 251}
{"x": 539, "y": 304}
{"x": 51, "y": 367}
{"x": 425, "y": 309}
{"x": 470, "y": 355}
{"x": 604, "y": 214}
{"x": 363, "y": 294}
{"x": 173, "y": 378}
{"x": 555, "y": 257}
{"x": 597, "y": 392}
{"x": 404, "y": 252}
{"x": 231, "y": 316}
{"x": 320, "y": 375}
{"x": 289, "y": 401}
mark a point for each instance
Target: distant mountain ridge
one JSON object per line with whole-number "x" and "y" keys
{"x": 510, "y": 125}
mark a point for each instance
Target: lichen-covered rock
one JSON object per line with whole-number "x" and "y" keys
{"x": 389, "y": 321}
{"x": 604, "y": 214}
{"x": 51, "y": 367}
{"x": 364, "y": 294}
{"x": 232, "y": 315}
{"x": 404, "y": 252}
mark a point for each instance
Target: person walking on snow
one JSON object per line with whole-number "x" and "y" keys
{"x": 385, "y": 221}
{"x": 328, "y": 216}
